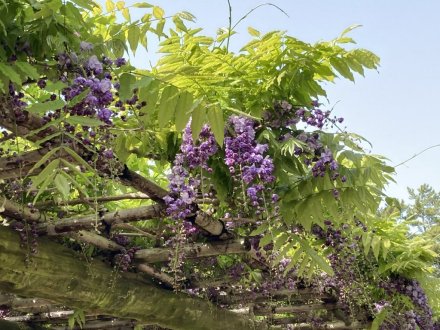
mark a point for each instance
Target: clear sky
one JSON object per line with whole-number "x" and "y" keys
{"x": 394, "y": 108}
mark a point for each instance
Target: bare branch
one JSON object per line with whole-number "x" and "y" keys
{"x": 99, "y": 221}
{"x": 19, "y": 212}
{"x": 161, "y": 277}
{"x": 138, "y": 231}
{"x": 96, "y": 240}
{"x": 195, "y": 251}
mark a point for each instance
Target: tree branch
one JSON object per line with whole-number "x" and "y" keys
{"x": 99, "y": 221}
{"x": 191, "y": 252}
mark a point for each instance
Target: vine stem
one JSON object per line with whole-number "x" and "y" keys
{"x": 417, "y": 154}
{"x": 229, "y": 26}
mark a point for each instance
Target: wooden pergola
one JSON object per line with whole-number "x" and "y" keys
{"x": 55, "y": 282}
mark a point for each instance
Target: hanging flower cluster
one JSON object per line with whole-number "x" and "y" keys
{"x": 246, "y": 159}
{"x": 185, "y": 182}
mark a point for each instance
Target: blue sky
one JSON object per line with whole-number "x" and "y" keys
{"x": 394, "y": 108}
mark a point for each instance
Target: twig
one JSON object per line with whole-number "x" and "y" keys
{"x": 134, "y": 228}
{"x": 230, "y": 25}
{"x": 417, "y": 154}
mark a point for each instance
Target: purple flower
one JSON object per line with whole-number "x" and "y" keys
{"x": 93, "y": 64}
{"x": 120, "y": 62}
{"x": 85, "y": 46}
{"x": 104, "y": 115}
{"x": 183, "y": 187}
{"x": 41, "y": 83}
{"x": 108, "y": 153}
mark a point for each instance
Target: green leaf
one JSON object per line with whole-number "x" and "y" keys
{"x": 62, "y": 185}
{"x": 120, "y": 5}
{"x": 75, "y": 169}
{"x": 46, "y": 183}
{"x": 159, "y": 27}
{"x": 179, "y": 24}
{"x": 127, "y": 80}
{"x": 265, "y": 240}
{"x": 81, "y": 317}
{"x": 366, "y": 241}
{"x": 386, "y": 244}
{"x": 302, "y": 267}
{"x": 167, "y": 105}
{"x": 45, "y": 173}
{"x": 260, "y": 229}
{"x": 10, "y": 74}
{"x": 84, "y": 4}
{"x": 158, "y": 12}
{"x": 198, "y": 118}
{"x": 109, "y": 5}
{"x": 317, "y": 259}
{"x": 40, "y": 108}
{"x": 379, "y": 318}
{"x": 375, "y": 246}
{"x": 44, "y": 159}
{"x": 28, "y": 70}
{"x": 49, "y": 137}
{"x": 83, "y": 121}
{"x": 183, "y": 110}
{"x": 55, "y": 86}
{"x": 71, "y": 321}
{"x": 78, "y": 159}
{"x": 293, "y": 260}
{"x": 187, "y": 16}
{"x": 142, "y": 5}
{"x": 78, "y": 98}
{"x": 253, "y": 32}
{"x": 341, "y": 66}
{"x": 134, "y": 33}
{"x": 126, "y": 14}
{"x": 217, "y": 123}
{"x": 350, "y": 28}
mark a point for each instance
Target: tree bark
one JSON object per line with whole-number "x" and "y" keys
{"x": 56, "y": 273}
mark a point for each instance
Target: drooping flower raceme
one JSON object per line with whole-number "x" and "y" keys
{"x": 184, "y": 180}
{"x": 246, "y": 158}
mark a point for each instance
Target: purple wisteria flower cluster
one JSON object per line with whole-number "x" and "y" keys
{"x": 185, "y": 182}
{"x": 246, "y": 159}
{"x": 283, "y": 117}
{"x": 90, "y": 91}
{"x": 316, "y": 117}
{"x": 283, "y": 114}
{"x": 420, "y": 316}
{"x": 97, "y": 100}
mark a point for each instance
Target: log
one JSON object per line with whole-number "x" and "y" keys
{"x": 56, "y": 273}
